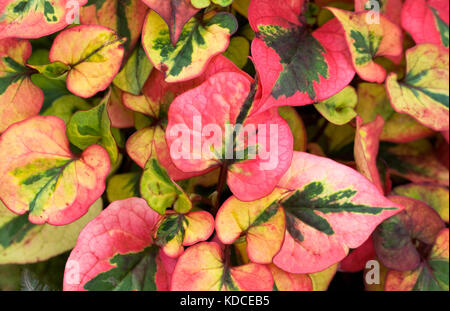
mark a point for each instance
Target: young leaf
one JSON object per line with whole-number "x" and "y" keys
{"x": 160, "y": 191}
{"x": 126, "y": 18}
{"x": 426, "y": 21}
{"x": 368, "y": 40}
{"x": 133, "y": 75}
{"x": 434, "y": 196}
{"x": 296, "y": 66}
{"x": 216, "y": 117}
{"x": 36, "y": 18}
{"x": 178, "y": 230}
{"x": 205, "y": 267}
{"x": 261, "y": 222}
{"x": 201, "y": 39}
{"x": 329, "y": 209}
{"x": 94, "y": 54}
{"x": 238, "y": 51}
{"x": 398, "y": 127}
{"x": 339, "y": 108}
{"x": 423, "y": 93}
{"x": 114, "y": 251}
{"x": 432, "y": 275}
{"x": 93, "y": 126}
{"x": 395, "y": 239}
{"x": 367, "y": 141}
{"x": 176, "y": 13}
{"x": 24, "y": 242}
{"x": 40, "y": 176}
{"x": 19, "y": 97}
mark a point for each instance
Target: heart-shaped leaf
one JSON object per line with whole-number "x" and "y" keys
{"x": 423, "y": 93}
{"x": 202, "y": 38}
{"x": 94, "y": 54}
{"x": 339, "y": 108}
{"x": 218, "y": 129}
{"x": 41, "y": 177}
{"x": 296, "y": 66}
{"x": 368, "y": 40}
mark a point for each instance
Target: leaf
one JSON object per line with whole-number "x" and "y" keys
{"x": 176, "y": 13}
{"x": 398, "y": 127}
{"x": 205, "y": 267}
{"x": 93, "y": 126}
{"x": 203, "y": 116}
{"x": 339, "y": 108}
{"x": 284, "y": 281}
{"x": 430, "y": 276}
{"x": 160, "y": 191}
{"x": 126, "y": 18}
{"x": 36, "y": 18}
{"x": 423, "y": 93}
{"x": 94, "y": 54}
{"x": 123, "y": 186}
{"x": 329, "y": 208}
{"x": 200, "y": 4}
{"x": 261, "y": 222}
{"x": 65, "y": 106}
{"x": 178, "y": 230}
{"x": 24, "y": 242}
{"x": 133, "y": 75}
{"x": 241, "y": 6}
{"x": 368, "y": 40}
{"x": 200, "y": 40}
{"x": 367, "y": 141}
{"x": 415, "y": 161}
{"x": 19, "y": 97}
{"x": 120, "y": 235}
{"x": 41, "y": 177}
{"x": 434, "y": 196}
{"x": 119, "y": 115}
{"x": 157, "y": 97}
{"x": 357, "y": 259}
{"x": 396, "y": 240}
{"x": 238, "y": 51}
{"x": 295, "y": 122}
{"x": 296, "y": 67}
{"x": 426, "y": 21}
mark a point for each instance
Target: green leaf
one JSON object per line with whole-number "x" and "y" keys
{"x": 340, "y": 108}
{"x": 160, "y": 191}
{"x": 93, "y": 126}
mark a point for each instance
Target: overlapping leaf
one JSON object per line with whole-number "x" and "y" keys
{"x": 296, "y": 67}
{"x": 41, "y": 177}
{"x": 19, "y": 97}
{"x": 424, "y": 91}
{"x": 258, "y": 148}
{"x": 93, "y": 53}
{"x": 339, "y": 108}
{"x": 202, "y": 38}
{"x": 368, "y": 40}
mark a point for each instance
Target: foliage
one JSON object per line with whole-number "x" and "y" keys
{"x": 173, "y": 144}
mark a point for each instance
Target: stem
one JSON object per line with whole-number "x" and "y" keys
{"x": 220, "y": 186}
